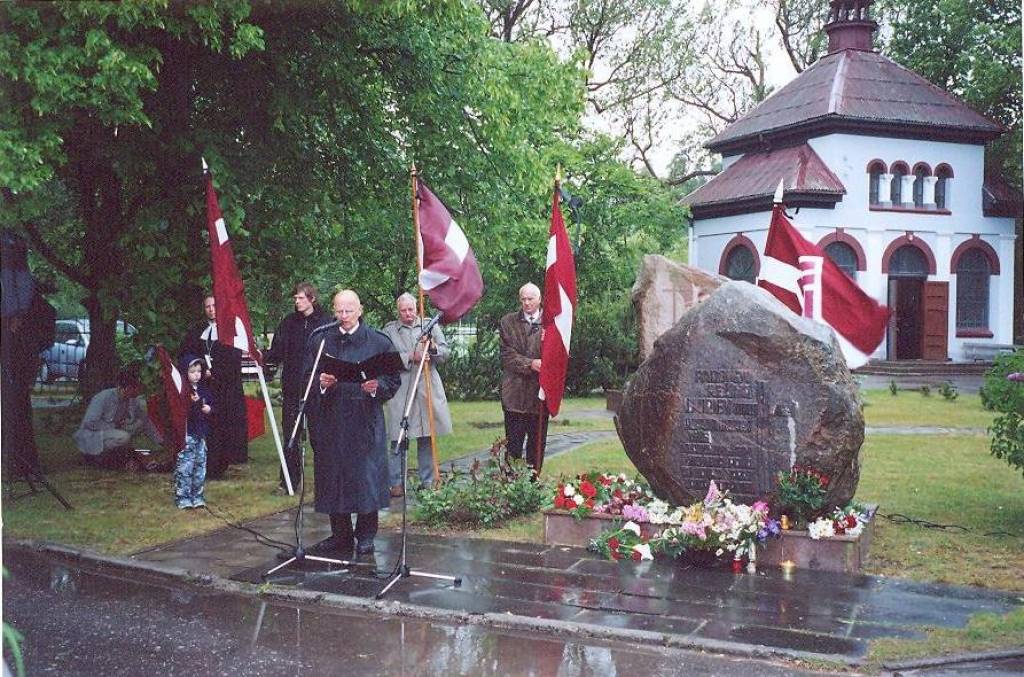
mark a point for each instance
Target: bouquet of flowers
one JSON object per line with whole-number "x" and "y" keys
{"x": 628, "y": 542}
{"x": 801, "y": 493}
{"x": 847, "y": 521}
{"x": 603, "y": 493}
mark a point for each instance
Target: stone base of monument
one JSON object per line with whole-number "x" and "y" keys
{"x": 843, "y": 554}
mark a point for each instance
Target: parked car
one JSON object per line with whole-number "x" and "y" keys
{"x": 66, "y": 357}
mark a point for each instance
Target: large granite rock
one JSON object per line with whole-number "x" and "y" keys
{"x": 739, "y": 389}
{"x": 663, "y": 292}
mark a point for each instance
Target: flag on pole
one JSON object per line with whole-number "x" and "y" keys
{"x": 559, "y": 311}
{"x": 449, "y": 273}
{"x": 234, "y": 328}
{"x": 799, "y": 274}
{"x": 176, "y": 393}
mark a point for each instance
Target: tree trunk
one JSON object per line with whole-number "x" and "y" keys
{"x": 101, "y": 359}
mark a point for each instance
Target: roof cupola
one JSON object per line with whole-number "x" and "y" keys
{"x": 849, "y": 26}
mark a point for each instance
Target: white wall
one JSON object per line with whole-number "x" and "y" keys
{"x": 848, "y": 157}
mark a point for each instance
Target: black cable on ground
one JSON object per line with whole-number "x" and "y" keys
{"x": 232, "y": 522}
{"x": 899, "y": 518}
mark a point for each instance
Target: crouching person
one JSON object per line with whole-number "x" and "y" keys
{"x": 113, "y": 418}
{"x": 190, "y": 468}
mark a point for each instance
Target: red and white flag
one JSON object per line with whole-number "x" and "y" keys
{"x": 799, "y": 274}
{"x": 449, "y": 273}
{"x": 233, "y": 325}
{"x": 176, "y": 392}
{"x": 559, "y": 311}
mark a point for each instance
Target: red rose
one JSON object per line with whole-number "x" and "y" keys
{"x": 637, "y": 556}
{"x": 613, "y": 543}
{"x": 587, "y": 489}
{"x": 606, "y": 481}
{"x": 616, "y": 555}
{"x": 561, "y": 502}
{"x": 851, "y": 521}
{"x": 589, "y": 503}
{"x": 617, "y": 494}
{"x": 839, "y": 527}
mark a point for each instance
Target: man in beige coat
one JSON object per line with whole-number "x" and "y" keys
{"x": 525, "y": 417}
{"x": 113, "y": 418}
{"x": 404, "y": 333}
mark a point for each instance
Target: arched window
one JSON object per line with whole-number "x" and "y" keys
{"x": 944, "y": 174}
{"x": 899, "y": 170}
{"x": 843, "y": 256}
{"x": 908, "y": 261}
{"x": 740, "y": 264}
{"x": 972, "y": 277}
{"x": 875, "y": 171}
{"x": 920, "y": 171}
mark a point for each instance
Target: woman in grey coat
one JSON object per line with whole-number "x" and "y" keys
{"x": 404, "y": 333}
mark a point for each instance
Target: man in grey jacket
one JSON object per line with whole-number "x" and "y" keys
{"x": 113, "y": 417}
{"x": 404, "y": 333}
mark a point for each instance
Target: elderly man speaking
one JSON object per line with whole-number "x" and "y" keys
{"x": 346, "y": 431}
{"x": 404, "y": 333}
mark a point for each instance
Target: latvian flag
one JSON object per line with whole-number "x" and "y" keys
{"x": 449, "y": 273}
{"x": 176, "y": 393}
{"x": 559, "y": 310}
{"x": 233, "y": 326}
{"x": 800, "y": 275}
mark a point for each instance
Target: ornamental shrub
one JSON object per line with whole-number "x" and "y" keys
{"x": 487, "y": 495}
{"x": 1001, "y": 394}
{"x": 473, "y": 372}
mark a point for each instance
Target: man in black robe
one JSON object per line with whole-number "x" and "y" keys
{"x": 228, "y": 441}
{"x": 289, "y": 350}
{"x": 347, "y": 433}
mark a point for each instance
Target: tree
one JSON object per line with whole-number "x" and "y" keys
{"x": 310, "y": 139}
{"x": 972, "y": 49}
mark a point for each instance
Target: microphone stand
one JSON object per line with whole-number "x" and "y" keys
{"x": 299, "y": 553}
{"x": 402, "y": 569}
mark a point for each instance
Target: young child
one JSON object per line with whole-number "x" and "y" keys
{"x": 190, "y": 470}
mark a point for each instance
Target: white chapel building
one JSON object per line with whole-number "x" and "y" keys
{"x": 888, "y": 173}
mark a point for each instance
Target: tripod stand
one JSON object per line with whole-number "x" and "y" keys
{"x": 31, "y": 476}
{"x": 299, "y": 553}
{"x": 402, "y": 569}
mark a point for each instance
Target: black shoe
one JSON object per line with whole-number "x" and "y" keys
{"x": 326, "y": 548}
{"x": 365, "y": 547}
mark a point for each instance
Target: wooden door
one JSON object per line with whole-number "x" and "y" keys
{"x": 909, "y": 317}
{"x": 936, "y": 320}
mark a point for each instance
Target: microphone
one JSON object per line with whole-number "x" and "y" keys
{"x": 325, "y": 327}
{"x": 429, "y": 326}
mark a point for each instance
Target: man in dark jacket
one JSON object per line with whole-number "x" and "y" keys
{"x": 347, "y": 433}
{"x": 287, "y": 351}
{"x": 229, "y": 434}
{"x": 526, "y": 420}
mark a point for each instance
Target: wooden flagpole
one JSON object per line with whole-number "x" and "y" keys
{"x": 426, "y": 366}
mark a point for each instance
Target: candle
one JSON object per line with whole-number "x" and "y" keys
{"x": 737, "y": 566}
{"x": 787, "y": 569}
{"x": 785, "y": 521}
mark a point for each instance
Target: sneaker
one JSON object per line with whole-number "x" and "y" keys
{"x": 365, "y": 548}
{"x": 183, "y": 505}
{"x": 198, "y": 503}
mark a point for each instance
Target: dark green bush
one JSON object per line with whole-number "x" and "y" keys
{"x": 473, "y": 372}
{"x": 1007, "y": 397}
{"x": 487, "y": 495}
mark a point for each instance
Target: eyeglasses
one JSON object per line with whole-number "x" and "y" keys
{"x": 344, "y": 311}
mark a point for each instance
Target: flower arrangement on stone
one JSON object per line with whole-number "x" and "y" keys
{"x": 603, "y": 493}
{"x": 848, "y": 521}
{"x": 801, "y": 494}
{"x": 628, "y": 542}
{"x": 715, "y": 524}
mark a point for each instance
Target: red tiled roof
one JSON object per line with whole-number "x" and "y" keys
{"x": 856, "y": 89}
{"x": 749, "y": 183}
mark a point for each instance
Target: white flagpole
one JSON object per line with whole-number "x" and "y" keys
{"x": 273, "y": 429}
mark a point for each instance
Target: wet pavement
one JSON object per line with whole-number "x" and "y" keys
{"x": 82, "y": 622}
{"x": 808, "y": 614}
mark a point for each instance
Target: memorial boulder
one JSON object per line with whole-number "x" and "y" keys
{"x": 739, "y": 389}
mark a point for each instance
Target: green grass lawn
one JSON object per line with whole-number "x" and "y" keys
{"x": 911, "y": 408}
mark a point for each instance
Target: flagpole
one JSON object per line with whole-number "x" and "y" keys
{"x": 426, "y": 375}
{"x": 273, "y": 429}
{"x": 544, "y": 406}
